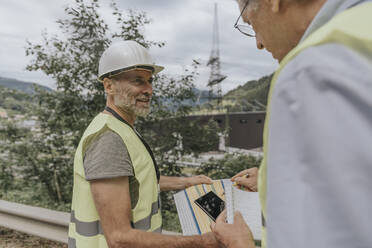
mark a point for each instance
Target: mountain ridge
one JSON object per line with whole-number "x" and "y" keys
{"x": 24, "y": 86}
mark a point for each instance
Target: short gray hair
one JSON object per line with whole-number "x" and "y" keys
{"x": 242, "y": 3}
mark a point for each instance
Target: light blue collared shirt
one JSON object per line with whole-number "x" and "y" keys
{"x": 319, "y": 191}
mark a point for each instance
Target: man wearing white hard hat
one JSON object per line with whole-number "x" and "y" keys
{"x": 314, "y": 181}
{"x": 116, "y": 180}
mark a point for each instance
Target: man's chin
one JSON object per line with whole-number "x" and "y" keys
{"x": 142, "y": 112}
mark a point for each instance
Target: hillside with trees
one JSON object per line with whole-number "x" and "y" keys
{"x": 25, "y": 87}
{"x": 15, "y": 102}
{"x": 252, "y": 96}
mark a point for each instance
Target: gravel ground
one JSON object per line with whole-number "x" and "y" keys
{"x": 13, "y": 239}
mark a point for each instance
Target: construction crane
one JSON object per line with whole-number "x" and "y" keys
{"x": 215, "y": 78}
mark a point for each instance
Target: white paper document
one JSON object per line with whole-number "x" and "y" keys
{"x": 247, "y": 203}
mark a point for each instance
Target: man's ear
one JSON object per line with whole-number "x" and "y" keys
{"x": 275, "y": 5}
{"x": 107, "y": 84}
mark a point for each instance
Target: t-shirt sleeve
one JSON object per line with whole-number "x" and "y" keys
{"x": 107, "y": 157}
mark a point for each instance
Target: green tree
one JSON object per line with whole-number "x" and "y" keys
{"x": 72, "y": 61}
{"x": 9, "y": 135}
{"x": 230, "y": 165}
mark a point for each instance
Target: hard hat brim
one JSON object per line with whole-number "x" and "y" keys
{"x": 155, "y": 69}
{"x": 158, "y": 68}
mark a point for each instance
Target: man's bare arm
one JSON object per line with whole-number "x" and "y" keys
{"x": 177, "y": 183}
{"x": 112, "y": 200}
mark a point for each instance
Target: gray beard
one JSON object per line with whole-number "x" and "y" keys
{"x": 128, "y": 104}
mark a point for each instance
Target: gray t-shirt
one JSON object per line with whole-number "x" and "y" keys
{"x": 107, "y": 157}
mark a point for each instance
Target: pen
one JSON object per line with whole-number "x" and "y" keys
{"x": 241, "y": 187}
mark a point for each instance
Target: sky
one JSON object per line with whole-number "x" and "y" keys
{"x": 186, "y": 27}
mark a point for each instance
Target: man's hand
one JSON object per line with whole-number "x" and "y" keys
{"x": 237, "y": 235}
{"x": 176, "y": 183}
{"x": 247, "y": 178}
{"x": 195, "y": 180}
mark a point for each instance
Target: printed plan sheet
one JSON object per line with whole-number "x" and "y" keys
{"x": 194, "y": 221}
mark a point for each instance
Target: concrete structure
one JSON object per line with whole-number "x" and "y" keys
{"x": 244, "y": 129}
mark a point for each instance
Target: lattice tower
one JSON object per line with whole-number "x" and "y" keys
{"x": 215, "y": 78}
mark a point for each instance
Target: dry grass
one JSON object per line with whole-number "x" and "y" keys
{"x": 14, "y": 239}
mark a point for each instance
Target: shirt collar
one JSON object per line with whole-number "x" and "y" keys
{"x": 327, "y": 12}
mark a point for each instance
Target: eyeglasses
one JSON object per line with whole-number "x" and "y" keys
{"x": 244, "y": 28}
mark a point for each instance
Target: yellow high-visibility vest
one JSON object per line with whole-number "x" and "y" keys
{"x": 351, "y": 28}
{"x": 85, "y": 230}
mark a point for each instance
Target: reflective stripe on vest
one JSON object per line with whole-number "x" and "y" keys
{"x": 145, "y": 223}
{"x": 85, "y": 228}
{"x": 94, "y": 227}
{"x": 350, "y": 28}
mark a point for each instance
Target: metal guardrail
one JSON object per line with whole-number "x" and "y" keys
{"x": 45, "y": 223}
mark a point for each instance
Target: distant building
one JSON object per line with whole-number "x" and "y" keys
{"x": 3, "y": 114}
{"x": 18, "y": 117}
{"x": 28, "y": 124}
{"x": 245, "y": 129}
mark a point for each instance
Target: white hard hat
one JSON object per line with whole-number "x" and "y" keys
{"x": 125, "y": 55}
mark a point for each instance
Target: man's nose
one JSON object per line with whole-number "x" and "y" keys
{"x": 147, "y": 88}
